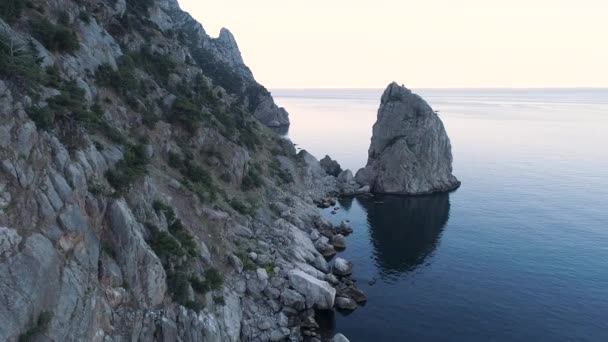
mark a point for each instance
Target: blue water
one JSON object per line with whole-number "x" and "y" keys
{"x": 518, "y": 253}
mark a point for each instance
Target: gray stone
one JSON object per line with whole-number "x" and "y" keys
{"x": 342, "y": 267}
{"x": 345, "y": 303}
{"x": 330, "y": 166}
{"x": 340, "y": 338}
{"x": 142, "y": 269}
{"x": 318, "y": 293}
{"x": 410, "y": 152}
{"x": 293, "y": 299}
{"x": 236, "y": 263}
{"x": 338, "y": 241}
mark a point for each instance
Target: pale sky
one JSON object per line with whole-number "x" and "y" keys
{"x": 422, "y": 43}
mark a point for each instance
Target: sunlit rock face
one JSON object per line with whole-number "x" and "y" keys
{"x": 410, "y": 151}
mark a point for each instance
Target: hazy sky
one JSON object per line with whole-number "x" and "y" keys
{"x": 422, "y": 43}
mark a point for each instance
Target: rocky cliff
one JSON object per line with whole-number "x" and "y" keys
{"x": 141, "y": 196}
{"x": 410, "y": 152}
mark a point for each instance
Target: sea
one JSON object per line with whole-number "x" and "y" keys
{"x": 518, "y": 253}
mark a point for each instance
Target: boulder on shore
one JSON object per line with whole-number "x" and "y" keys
{"x": 410, "y": 152}
{"x": 318, "y": 293}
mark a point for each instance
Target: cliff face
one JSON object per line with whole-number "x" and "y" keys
{"x": 410, "y": 152}
{"x": 140, "y": 197}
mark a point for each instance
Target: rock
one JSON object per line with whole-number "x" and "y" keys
{"x": 346, "y": 177}
{"x": 265, "y": 325}
{"x": 269, "y": 113}
{"x": 332, "y": 279}
{"x": 9, "y": 241}
{"x": 363, "y": 190}
{"x": 340, "y": 338}
{"x": 338, "y": 241}
{"x": 410, "y": 152}
{"x": 330, "y": 166}
{"x": 345, "y": 303}
{"x": 293, "y": 299}
{"x": 142, "y": 270}
{"x": 236, "y": 263}
{"x": 277, "y": 335}
{"x": 356, "y": 294}
{"x": 342, "y": 267}
{"x": 262, "y": 275}
{"x": 323, "y": 246}
{"x": 318, "y": 293}
{"x": 344, "y": 228}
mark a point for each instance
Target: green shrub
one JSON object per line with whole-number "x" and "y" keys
{"x": 123, "y": 80}
{"x": 19, "y": 63}
{"x": 129, "y": 168}
{"x": 219, "y": 300}
{"x": 10, "y": 10}
{"x": 198, "y": 285}
{"x": 252, "y": 179}
{"x": 175, "y": 160}
{"x": 186, "y": 113}
{"x": 84, "y": 17}
{"x": 140, "y": 5}
{"x": 155, "y": 64}
{"x": 242, "y": 207}
{"x": 183, "y": 236}
{"x": 53, "y": 78}
{"x": 178, "y": 284}
{"x": 213, "y": 279}
{"x": 44, "y": 118}
{"x": 166, "y": 246}
{"x": 281, "y": 174}
{"x": 55, "y": 37}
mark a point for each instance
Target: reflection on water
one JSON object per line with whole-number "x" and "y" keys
{"x": 404, "y": 231}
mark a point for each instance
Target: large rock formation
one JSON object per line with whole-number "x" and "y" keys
{"x": 410, "y": 152}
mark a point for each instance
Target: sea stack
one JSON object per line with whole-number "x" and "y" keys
{"x": 410, "y": 152}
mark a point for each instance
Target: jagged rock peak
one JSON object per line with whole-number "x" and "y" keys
{"x": 410, "y": 152}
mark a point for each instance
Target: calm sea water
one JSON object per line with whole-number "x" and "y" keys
{"x": 518, "y": 253}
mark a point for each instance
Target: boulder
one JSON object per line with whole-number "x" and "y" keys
{"x": 322, "y": 245}
{"x": 410, "y": 152}
{"x": 340, "y": 338}
{"x": 338, "y": 241}
{"x": 330, "y": 166}
{"x": 356, "y": 294}
{"x": 342, "y": 267}
{"x": 345, "y": 303}
{"x": 318, "y": 293}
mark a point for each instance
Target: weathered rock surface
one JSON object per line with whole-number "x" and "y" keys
{"x": 342, "y": 267}
{"x": 330, "y": 166}
{"x": 410, "y": 151}
{"x": 318, "y": 293}
{"x": 174, "y": 248}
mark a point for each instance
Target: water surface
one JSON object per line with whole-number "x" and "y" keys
{"x": 518, "y": 253}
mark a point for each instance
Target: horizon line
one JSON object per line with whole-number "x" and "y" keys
{"x": 447, "y": 88}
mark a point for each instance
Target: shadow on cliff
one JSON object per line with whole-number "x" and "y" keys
{"x": 404, "y": 231}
